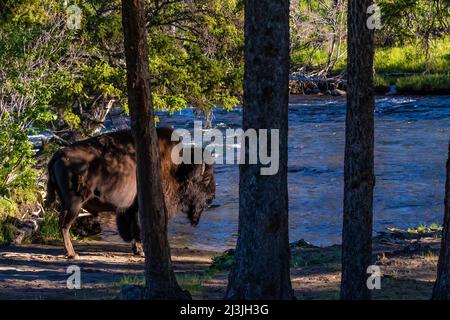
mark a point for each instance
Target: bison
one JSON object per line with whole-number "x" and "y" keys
{"x": 99, "y": 174}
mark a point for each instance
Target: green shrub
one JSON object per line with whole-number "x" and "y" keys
{"x": 6, "y": 232}
{"x": 7, "y": 207}
{"x": 49, "y": 228}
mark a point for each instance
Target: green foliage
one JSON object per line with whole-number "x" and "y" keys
{"x": 424, "y": 229}
{"x": 315, "y": 256}
{"x": 7, "y": 207}
{"x": 188, "y": 281}
{"x": 413, "y": 20}
{"x": 308, "y": 56}
{"x": 200, "y": 63}
{"x": 191, "y": 282}
{"x": 224, "y": 261}
{"x": 49, "y": 229}
{"x": 6, "y": 233}
{"x": 409, "y": 58}
{"x": 16, "y": 158}
{"x": 414, "y": 36}
{"x": 18, "y": 201}
{"x": 433, "y": 230}
{"x": 132, "y": 281}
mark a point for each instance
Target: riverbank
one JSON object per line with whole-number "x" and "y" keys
{"x": 413, "y": 70}
{"x": 407, "y": 260}
{"x": 405, "y": 84}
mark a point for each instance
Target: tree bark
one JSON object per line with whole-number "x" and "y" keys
{"x": 359, "y": 177}
{"x": 441, "y": 290}
{"x": 262, "y": 253}
{"x": 160, "y": 279}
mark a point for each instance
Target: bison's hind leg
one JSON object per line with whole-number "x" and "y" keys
{"x": 69, "y": 214}
{"x": 128, "y": 227}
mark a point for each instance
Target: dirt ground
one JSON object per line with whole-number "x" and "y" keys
{"x": 35, "y": 271}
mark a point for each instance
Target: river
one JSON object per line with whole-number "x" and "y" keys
{"x": 411, "y": 135}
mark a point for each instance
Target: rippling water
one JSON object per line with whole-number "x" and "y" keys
{"x": 412, "y": 135}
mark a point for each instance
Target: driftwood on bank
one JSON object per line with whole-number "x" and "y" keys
{"x": 299, "y": 84}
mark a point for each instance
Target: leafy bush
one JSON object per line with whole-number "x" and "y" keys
{"x": 16, "y": 158}
{"x": 6, "y": 233}
{"x": 49, "y": 228}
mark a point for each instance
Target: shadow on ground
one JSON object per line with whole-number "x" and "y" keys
{"x": 35, "y": 271}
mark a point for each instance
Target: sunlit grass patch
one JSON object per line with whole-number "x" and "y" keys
{"x": 425, "y": 229}
{"x": 192, "y": 282}
{"x": 417, "y": 84}
{"x": 412, "y": 58}
{"x": 132, "y": 281}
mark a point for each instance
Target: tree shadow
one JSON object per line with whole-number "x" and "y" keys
{"x": 40, "y": 271}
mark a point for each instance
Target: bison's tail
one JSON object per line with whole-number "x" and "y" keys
{"x": 125, "y": 221}
{"x": 51, "y": 184}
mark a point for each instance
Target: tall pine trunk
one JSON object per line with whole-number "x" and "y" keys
{"x": 359, "y": 177}
{"x": 441, "y": 290}
{"x": 262, "y": 253}
{"x": 159, "y": 276}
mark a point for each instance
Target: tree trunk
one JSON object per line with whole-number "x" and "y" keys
{"x": 159, "y": 276}
{"x": 441, "y": 290}
{"x": 262, "y": 253}
{"x": 359, "y": 177}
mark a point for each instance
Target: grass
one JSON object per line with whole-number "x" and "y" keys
{"x": 431, "y": 74}
{"x": 311, "y": 57}
{"x": 132, "y": 281}
{"x": 192, "y": 282}
{"x": 328, "y": 257}
{"x": 49, "y": 229}
{"x": 417, "y": 84}
{"x": 424, "y": 229}
{"x": 410, "y": 58}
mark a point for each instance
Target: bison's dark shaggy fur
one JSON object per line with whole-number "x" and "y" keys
{"x": 99, "y": 174}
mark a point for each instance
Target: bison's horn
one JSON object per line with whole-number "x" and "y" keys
{"x": 203, "y": 168}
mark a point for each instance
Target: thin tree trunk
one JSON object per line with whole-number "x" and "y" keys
{"x": 262, "y": 253}
{"x": 159, "y": 276}
{"x": 359, "y": 177}
{"x": 441, "y": 290}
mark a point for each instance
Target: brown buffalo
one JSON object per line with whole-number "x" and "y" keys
{"x": 99, "y": 174}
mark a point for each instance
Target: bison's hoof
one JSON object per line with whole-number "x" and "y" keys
{"x": 73, "y": 256}
{"x": 137, "y": 249}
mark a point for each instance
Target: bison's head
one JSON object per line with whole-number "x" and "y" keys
{"x": 198, "y": 190}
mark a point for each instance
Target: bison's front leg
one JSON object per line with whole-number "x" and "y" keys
{"x": 137, "y": 248}
{"x": 68, "y": 215}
